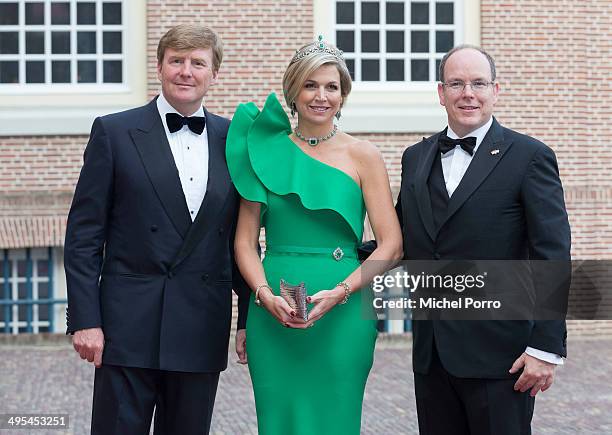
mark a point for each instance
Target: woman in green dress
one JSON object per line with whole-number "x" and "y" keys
{"x": 310, "y": 188}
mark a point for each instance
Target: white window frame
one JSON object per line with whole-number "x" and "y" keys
{"x": 54, "y": 108}
{"x": 431, "y": 56}
{"x": 398, "y": 107}
{"x": 15, "y": 255}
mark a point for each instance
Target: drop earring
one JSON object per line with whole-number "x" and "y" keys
{"x": 293, "y": 110}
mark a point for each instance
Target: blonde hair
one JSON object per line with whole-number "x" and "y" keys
{"x": 191, "y": 37}
{"x": 298, "y": 72}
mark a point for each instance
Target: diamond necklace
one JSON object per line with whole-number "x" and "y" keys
{"x": 314, "y": 141}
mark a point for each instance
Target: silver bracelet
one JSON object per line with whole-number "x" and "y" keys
{"x": 347, "y": 291}
{"x": 259, "y": 287}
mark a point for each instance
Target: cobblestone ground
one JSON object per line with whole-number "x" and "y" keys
{"x": 52, "y": 379}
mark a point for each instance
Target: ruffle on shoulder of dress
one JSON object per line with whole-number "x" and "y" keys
{"x": 280, "y": 166}
{"x": 241, "y": 171}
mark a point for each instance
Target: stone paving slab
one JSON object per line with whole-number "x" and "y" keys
{"x": 52, "y": 379}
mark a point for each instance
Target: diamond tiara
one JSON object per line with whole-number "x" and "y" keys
{"x": 318, "y": 47}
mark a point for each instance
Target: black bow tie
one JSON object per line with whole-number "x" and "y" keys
{"x": 175, "y": 122}
{"x": 446, "y": 144}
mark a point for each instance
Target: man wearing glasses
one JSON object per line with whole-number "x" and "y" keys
{"x": 480, "y": 191}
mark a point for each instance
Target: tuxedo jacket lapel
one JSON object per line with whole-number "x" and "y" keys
{"x": 421, "y": 188}
{"x": 217, "y": 189}
{"x": 488, "y": 155}
{"x": 152, "y": 145}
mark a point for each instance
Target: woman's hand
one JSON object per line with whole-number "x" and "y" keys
{"x": 323, "y": 301}
{"x": 280, "y": 309}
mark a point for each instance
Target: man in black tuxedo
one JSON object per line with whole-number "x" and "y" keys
{"x": 149, "y": 251}
{"x": 496, "y": 195}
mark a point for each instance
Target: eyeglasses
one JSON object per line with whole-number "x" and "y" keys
{"x": 457, "y": 86}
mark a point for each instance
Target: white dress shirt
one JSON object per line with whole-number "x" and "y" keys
{"x": 456, "y": 161}
{"x": 454, "y": 166}
{"x": 190, "y": 152}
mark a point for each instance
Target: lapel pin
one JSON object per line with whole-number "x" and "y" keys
{"x": 493, "y": 152}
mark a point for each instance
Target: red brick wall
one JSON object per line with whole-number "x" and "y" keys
{"x": 554, "y": 65}
{"x": 392, "y": 147}
{"x": 40, "y": 163}
{"x": 37, "y": 177}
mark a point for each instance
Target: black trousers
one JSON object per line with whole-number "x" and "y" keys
{"x": 124, "y": 399}
{"x": 447, "y": 405}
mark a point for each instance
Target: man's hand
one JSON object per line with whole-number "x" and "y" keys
{"x": 89, "y": 344}
{"x": 241, "y": 350}
{"x": 537, "y": 374}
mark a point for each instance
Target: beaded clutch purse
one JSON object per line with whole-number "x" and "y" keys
{"x": 295, "y": 295}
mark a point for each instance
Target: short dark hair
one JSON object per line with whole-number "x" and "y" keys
{"x": 191, "y": 37}
{"x": 463, "y": 47}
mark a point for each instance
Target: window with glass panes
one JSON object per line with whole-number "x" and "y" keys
{"x": 26, "y": 290}
{"x": 61, "y": 42}
{"x": 395, "y": 41}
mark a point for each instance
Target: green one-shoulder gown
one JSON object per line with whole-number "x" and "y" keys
{"x": 306, "y": 382}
